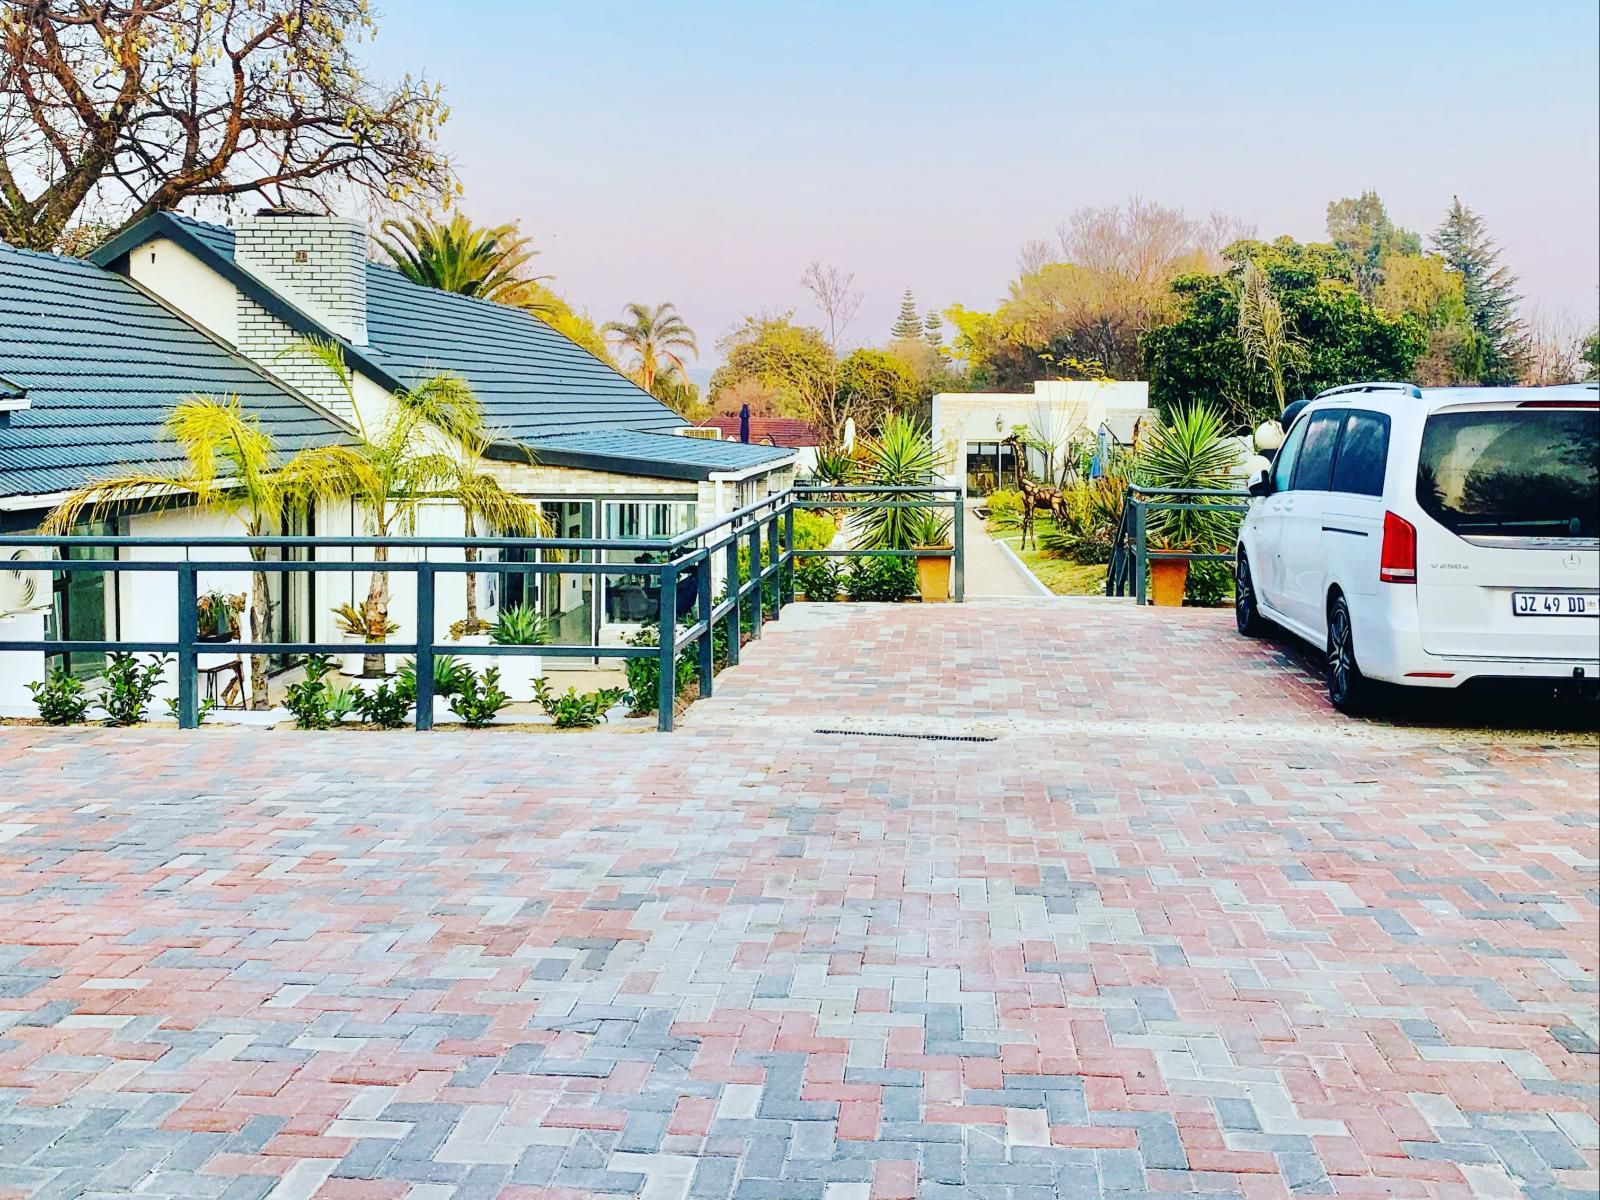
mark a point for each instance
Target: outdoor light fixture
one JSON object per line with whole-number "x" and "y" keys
{"x": 999, "y": 423}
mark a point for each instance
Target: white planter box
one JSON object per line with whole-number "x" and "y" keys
{"x": 517, "y": 673}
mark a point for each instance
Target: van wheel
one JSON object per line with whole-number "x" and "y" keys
{"x": 1349, "y": 690}
{"x": 1245, "y": 613}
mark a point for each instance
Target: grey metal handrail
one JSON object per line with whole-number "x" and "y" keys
{"x": 764, "y": 524}
{"x": 1130, "y": 550}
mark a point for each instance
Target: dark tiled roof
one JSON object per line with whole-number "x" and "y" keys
{"x": 531, "y": 380}
{"x": 663, "y": 455}
{"x": 102, "y": 364}
{"x": 773, "y": 431}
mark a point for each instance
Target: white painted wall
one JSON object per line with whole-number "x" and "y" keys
{"x": 186, "y": 283}
{"x": 1063, "y": 408}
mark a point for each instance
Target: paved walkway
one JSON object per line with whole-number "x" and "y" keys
{"x": 1175, "y": 929}
{"x": 990, "y": 570}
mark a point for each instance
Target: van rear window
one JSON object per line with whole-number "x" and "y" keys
{"x": 1512, "y": 473}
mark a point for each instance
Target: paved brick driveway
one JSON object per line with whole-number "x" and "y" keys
{"x": 1205, "y": 940}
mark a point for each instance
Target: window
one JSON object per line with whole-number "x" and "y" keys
{"x": 1315, "y": 468}
{"x": 84, "y": 603}
{"x": 632, "y": 599}
{"x": 1288, "y": 455}
{"x": 1513, "y": 473}
{"x": 1363, "y": 453}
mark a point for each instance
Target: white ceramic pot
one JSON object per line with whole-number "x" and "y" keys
{"x": 517, "y": 673}
{"x": 350, "y": 663}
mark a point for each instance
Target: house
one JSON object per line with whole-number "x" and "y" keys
{"x": 788, "y": 432}
{"x": 971, "y": 427}
{"x": 94, "y": 354}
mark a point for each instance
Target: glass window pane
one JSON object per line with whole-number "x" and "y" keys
{"x": 1516, "y": 473}
{"x": 1316, "y": 456}
{"x": 1363, "y": 453}
{"x": 1288, "y": 455}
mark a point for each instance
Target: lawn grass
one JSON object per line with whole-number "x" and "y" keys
{"x": 1061, "y": 575}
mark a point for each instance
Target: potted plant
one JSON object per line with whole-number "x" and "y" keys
{"x": 1191, "y": 451}
{"x": 929, "y": 529}
{"x": 218, "y": 615}
{"x": 471, "y": 631}
{"x": 519, "y": 625}
{"x": 361, "y": 626}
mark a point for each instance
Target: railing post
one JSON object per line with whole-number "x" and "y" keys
{"x": 708, "y": 664}
{"x": 667, "y": 684}
{"x": 959, "y": 565}
{"x": 786, "y": 577}
{"x": 731, "y": 591}
{"x": 1139, "y": 549}
{"x": 775, "y": 557}
{"x": 424, "y": 650}
{"x": 188, "y": 657}
{"x": 755, "y": 576}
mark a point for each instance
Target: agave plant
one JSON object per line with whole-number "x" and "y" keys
{"x": 520, "y": 625}
{"x": 1190, "y": 451}
{"x": 902, "y": 455}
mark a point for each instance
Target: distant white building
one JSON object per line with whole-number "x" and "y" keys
{"x": 970, "y": 428}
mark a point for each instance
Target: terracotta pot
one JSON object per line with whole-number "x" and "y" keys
{"x": 933, "y": 576}
{"x": 1168, "y": 576}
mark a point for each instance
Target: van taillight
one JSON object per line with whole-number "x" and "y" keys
{"x": 1398, "y": 562}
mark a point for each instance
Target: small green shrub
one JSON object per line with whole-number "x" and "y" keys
{"x": 448, "y": 671}
{"x": 1085, "y": 524}
{"x": 129, "y": 687}
{"x": 1210, "y": 584}
{"x": 309, "y": 700}
{"x": 644, "y": 674}
{"x": 885, "y": 579}
{"x": 572, "y": 710}
{"x": 341, "y": 703}
{"x": 387, "y": 706}
{"x": 818, "y": 578}
{"x": 813, "y": 530}
{"x": 59, "y": 698}
{"x": 1005, "y": 508}
{"x": 202, "y": 709}
{"x": 479, "y": 699}
{"x": 520, "y": 625}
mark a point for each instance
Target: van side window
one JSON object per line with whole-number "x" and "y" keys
{"x": 1283, "y": 464}
{"x": 1316, "y": 456}
{"x": 1363, "y": 454}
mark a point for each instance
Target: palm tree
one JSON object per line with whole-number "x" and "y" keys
{"x": 1267, "y": 333}
{"x": 654, "y": 336}
{"x": 233, "y": 468}
{"x": 409, "y": 464}
{"x": 485, "y": 261}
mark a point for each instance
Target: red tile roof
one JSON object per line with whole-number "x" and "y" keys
{"x": 767, "y": 431}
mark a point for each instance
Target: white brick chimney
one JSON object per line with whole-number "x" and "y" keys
{"x": 317, "y": 263}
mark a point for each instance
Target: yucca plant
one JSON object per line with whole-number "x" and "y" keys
{"x": 835, "y": 465}
{"x": 520, "y": 625}
{"x": 902, "y": 455}
{"x": 1191, "y": 450}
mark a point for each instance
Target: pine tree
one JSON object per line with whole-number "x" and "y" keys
{"x": 1464, "y": 243}
{"x": 907, "y": 325}
{"x": 933, "y": 329}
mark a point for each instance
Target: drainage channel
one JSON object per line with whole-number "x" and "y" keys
{"x": 915, "y": 737}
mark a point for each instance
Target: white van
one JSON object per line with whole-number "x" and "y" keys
{"x": 1431, "y": 536}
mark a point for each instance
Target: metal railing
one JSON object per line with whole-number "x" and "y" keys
{"x": 767, "y": 524}
{"x": 1131, "y": 554}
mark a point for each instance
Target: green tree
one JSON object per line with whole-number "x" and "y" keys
{"x": 148, "y": 103}
{"x": 489, "y": 262}
{"x": 231, "y": 467}
{"x": 1489, "y": 289}
{"x": 873, "y": 385}
{"x": 793, "y": 364}
{"x": 933, "y": 329}
{"x": 1424, "y": 287}
{"x": 1266, "y": 334}
{"x": 1362, "y": 229}
{"x": 908, "y": 324}
{"x": 1591, "y": 355}
{"x": 1199, "y": 358}
{"x": 657, "y": 338}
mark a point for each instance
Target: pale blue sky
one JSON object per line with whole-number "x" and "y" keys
{"x": 705, "y": 152}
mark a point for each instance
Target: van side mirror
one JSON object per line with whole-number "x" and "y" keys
{"x": 1260, "y": 483}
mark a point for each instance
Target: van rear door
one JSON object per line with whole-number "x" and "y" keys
{"x": 1508, "y": 555}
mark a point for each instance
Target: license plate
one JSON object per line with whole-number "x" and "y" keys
{"x": 1555, "y": 604}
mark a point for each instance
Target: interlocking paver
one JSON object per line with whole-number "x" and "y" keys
{"x": 1174, "y": 929}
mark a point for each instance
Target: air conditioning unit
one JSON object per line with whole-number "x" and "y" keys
{"x": 708, "y": 432}
{"x": 23, "y": 591}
